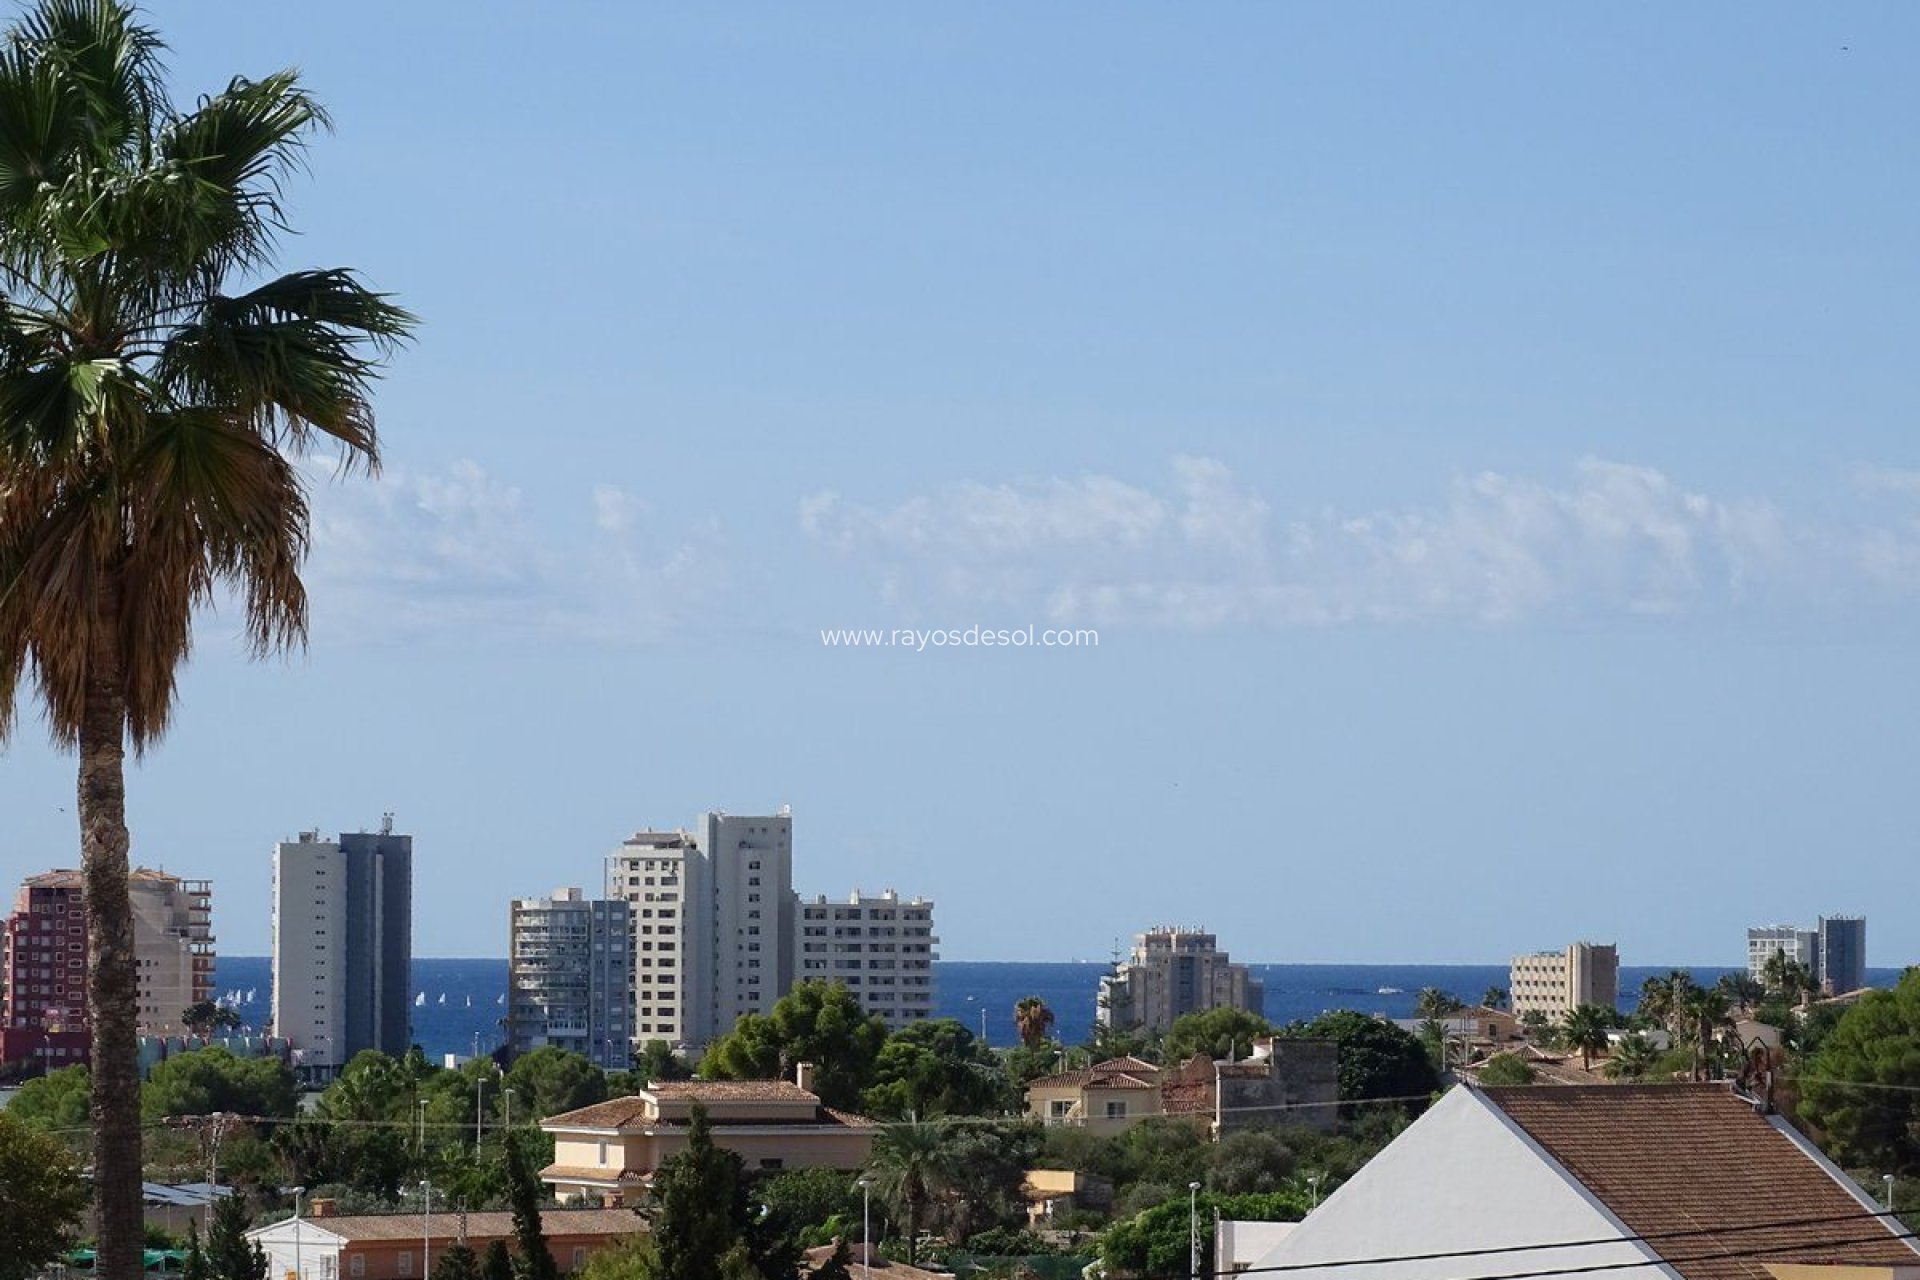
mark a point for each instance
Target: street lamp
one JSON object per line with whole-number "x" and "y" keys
{"x": 509, "y": 1123}
{"x": 426, "y": 1228}
{"x": 1313, "y": 1187}
{"x": 420, "y": 1109}
{"x": 1193, "y": 1230}
{"x": 1888, "y": 1179}
{"x": 479, "y": 1089}
{"x": 866, "y": 1231}
{"x": 298, "y": 1231}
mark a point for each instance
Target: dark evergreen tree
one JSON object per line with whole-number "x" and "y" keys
{"x": 535, "y": 1260}
{"x": 195, "y": 1267}
{"x": 498, "y": 1264}
{"x": 702, "y": 1211}
{"x": 457, "y": 1262}
{"x": 230, "y": 1255}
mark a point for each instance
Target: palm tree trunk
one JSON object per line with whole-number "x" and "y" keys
{"x": 112, "y": 991}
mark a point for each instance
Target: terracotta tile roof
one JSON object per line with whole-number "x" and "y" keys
{"x": 486, "y": 1226}
{"x": 732, "y": 1091}
{"x": 1681, "y": 1157}
{"x": 1134, "y": 1073}
{"x": 614, "y": 1113}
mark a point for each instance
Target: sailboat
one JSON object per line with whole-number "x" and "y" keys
{"x": 419, "y": 999}
{"x": 502, "y": 998}
{"x": 443, "y": 997}
{"x": 469, "y": 1002}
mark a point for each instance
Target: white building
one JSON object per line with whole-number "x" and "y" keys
{"x": 712, "y": 918}
{"x": 1664, "y": 1182}
{"x": 1556, "y": 982}
{"x": 1175, "y": 971}
{"x": 342, "y": 945}
{"x": 570, "y": 977}
{"x": 1764, "y": 941}
{"x": 881, "y": 949}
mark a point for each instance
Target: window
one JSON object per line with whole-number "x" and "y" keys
{"x": 579, "y": 1256}
{"x": 1058, "y": 1108}
{"x": 403, "y": 1265}
{"x": 603, "y": 1153}
{"x": 1116, "y": 1111}
{"x": 358, "y": 1265}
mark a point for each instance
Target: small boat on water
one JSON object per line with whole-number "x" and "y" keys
{"x": 469, "y": 1002}
{"x": 443, "y": 997}
{"x": 420, "y": 999}
{"x": 1390, "y": 991}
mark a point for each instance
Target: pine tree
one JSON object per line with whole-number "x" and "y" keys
{"x": 196, "y": 1264}
{"x": 499, "y": 1263}
{"x": 703, "y": 1211}
{"x": 457, "y": 1262}
{"x": 230, "y": 1255}
{"x": 523, "y": 1194}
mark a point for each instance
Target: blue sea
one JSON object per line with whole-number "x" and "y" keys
{"x": 460, "y": 1006}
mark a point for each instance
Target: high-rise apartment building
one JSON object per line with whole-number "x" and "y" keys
{"x": 880, "y": 949}
{"x": 45, "y": 963}
{"x": 1843, "y": 953}
{"x": 1834, "y": 951}
{"x": 570, "y": 977}
{"x": 662, "y": 877}
{"x": 1797, "y": 944}
{"x": 343, "y": 945}
{"x": 713, "y": 922}
{"x": 1556, "y": 982}
{"x": 1174, "y": 971}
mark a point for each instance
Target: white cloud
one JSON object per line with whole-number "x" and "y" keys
{"x": 1202, "y": 549}
{"x": 411, "y": 552}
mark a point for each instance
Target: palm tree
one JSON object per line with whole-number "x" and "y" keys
{"x": 1433, "y": 1003}
{"x": 1661, "y": 999}
{"x": 1033, "y": 1020}
{"x": 912, "y": 1164}
{"x": 150, "y": 424}
{"x": 204, "y": 1017}
{"x": 1585, "y": 1028}
{"x": 1631, "y": 1059}
{"x": 1494, "y": 998}
{"x": 1705, "y": 1012}
{"x": 1741, "y": 989}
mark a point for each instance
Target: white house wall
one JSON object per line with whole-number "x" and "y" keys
{"x": 1462, "y": 1177}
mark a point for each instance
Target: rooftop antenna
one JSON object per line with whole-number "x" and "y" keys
{"x": 386, "y": 823}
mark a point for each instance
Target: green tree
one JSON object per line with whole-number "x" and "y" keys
{"x": 1494, "y": 998}
{"x": 1584, "y": 1030}
{"x": 1215, "y": 1033}
{"x": 986, "y": 1166}
{"x": 549, "y": 1080}
{"x": 1632, "y": 1059}
{"x": 1506, "y": 1069}
{"x": 812, "y": 1205}
{"x": 656, "y": 1061}
{"x": 1377, "y": 1058}
{"x": 817, "y": 1022}
{"x": 57, "y": 1100}
{"x": 230, "y": 1255}
{"x": 934, "y": 1067}
{"x": 1663, "y": 999}
{"x": 1862, "y": 1087}
{"x": 150, "y": 424}
{"x": 204, "y": 1017}
{"x": 912, "y": 1164}
{"x": 498, "y": 1264}
{"x": 702, "y": 1209}
{"x": 1156, "y": 1242}
{"x": 195, "y": 1267}
{"x": 524, "y": 1196}
{"x": 42, "y": 1196}
{"x": 456, "y": 1262}
{"x": 1033, "y": 1021}
{"x": 212, "y": 1079}
{"x": 1704, "y": 1012}
{"x": 1436, "y": 1004}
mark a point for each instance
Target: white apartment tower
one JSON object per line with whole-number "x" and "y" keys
{"x": 880, "y": 949}
{"x": 1175, "y": 971}
{"x": 712, "y": 917}
{"x": 570, "y": 977}
{"x": 343, "y": 944}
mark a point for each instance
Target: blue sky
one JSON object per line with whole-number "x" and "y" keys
{"x": 1482, "y": 438}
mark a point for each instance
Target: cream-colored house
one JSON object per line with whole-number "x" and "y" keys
{"x": 1104, "y": 1098}
{"x": 608, "y": 1152}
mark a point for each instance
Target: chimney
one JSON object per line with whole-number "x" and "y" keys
{"x": 321, "y": 1207}
{"x": 803, "y": 1075}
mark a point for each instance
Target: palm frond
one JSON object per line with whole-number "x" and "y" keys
{"x": 107, "y": 59}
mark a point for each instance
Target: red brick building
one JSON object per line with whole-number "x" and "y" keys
{"x": 44, "y": 1014}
